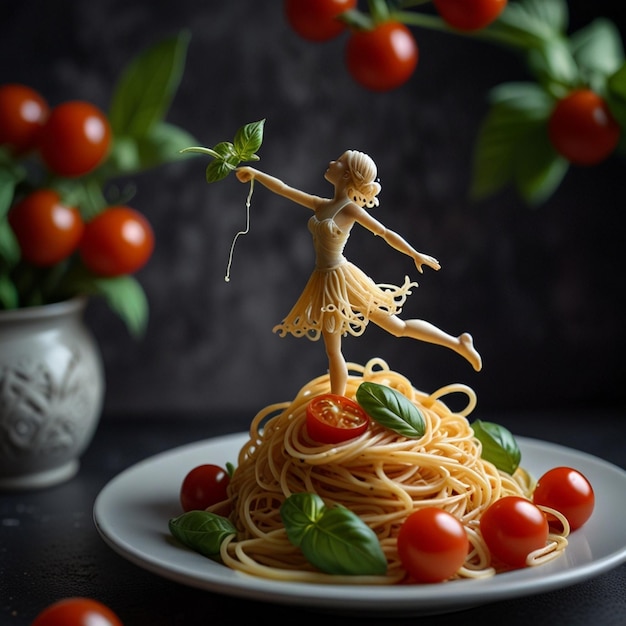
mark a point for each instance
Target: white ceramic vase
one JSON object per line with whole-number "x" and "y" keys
{"x": 51, "y": 393}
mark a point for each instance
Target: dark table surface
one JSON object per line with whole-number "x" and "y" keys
{"x": 50, "y": 548}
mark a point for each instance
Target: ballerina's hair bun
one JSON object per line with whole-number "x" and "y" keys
{"x": 363, "y": 171}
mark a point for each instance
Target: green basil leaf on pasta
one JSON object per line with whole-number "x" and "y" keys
{"x": 391, "y": 409}
{"x": 300, "y": 512}
{"x": 498, "y": 445}
{"x": 202, "y": 531}
{"x": 333, "y": 539}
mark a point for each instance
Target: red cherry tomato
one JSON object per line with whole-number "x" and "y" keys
{"x": 582, "y": 129}
{"x": 469, "y": 15}
{"x": 316, "y": 20}
{"x": 383, "y": 58}
{"x": 567, "y": 491}
{"x": 47, "y": 230}
{"x": 117, "y": 241}
{"x": 75, "y": 139}
{"x": 23, "y": 112}
{"x": 203, "y": 486}
{"x": 512, "y": 528}
{"x": 77, "y": 612}
{"x": 331, "y": 418}
{"x": 432, "y": 545}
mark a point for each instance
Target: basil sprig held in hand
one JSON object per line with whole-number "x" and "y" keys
{"x": 228, "y": 155}
{"x": 333, "y": 539}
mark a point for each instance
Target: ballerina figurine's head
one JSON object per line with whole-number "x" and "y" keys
{"x": 362, "y": 186}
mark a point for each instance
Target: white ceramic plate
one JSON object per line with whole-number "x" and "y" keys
{"x": 132, "y": 513}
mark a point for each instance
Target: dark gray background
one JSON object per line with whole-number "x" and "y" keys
{"x": 540, "y": 289}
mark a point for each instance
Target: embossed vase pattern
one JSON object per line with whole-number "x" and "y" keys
{"x": 51, "y": 393}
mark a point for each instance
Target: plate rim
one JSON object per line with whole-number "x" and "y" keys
{"x": 344, "y": 598}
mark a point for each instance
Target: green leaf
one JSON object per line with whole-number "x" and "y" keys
{"x": 8, "y": 182}
{"x": 498, "y": 445}
{"x": 391, "y": 409}
{"x": 9, "y": 297}
{"x": 554, "y": 66}
{"x": 147, "y": 86}
{"x": 227, "y": 155}
{"x": 248, "y": 140}
{"x": 163, "y": 144}
{"x": 9, "y": 247}
{"x": 538, "y": 169}
{"x": 542, "y": 19}
{"x": 225, "y": 150}
{"x": 298, "y": 512}
{"x": 124, "y": 156}
{"x": 217, "y": 170}
{"x": 202, "y": 531}
{"x": 598, "y": 49}
{"x": 616, "y": 95}
{"x": 517, "y": 109}
{"x": 333, "y": 539}
{"x": 126, "y": 297}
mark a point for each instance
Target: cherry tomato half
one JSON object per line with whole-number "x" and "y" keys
{"x": 384, "y": 58}
{"x": 23, "y": 113}
{"x": 432, "y": 545}
{"x": 77, "y": 612}
{"x": 331, "y": 418}
{"x": 567, "y": 491}
{"x": 469, "y": 15}
{"x": 203, "y": 486}
{"x": 75, "y": 139}
{"x": 117, "y": 241}
{"x": 47, "y": 230}
{"x": 582, "y": 129}
{"x": 316, "y": 20}
{"x": 512, "y": 528}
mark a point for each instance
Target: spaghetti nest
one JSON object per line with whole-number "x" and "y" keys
{"x": 381, "y": 476}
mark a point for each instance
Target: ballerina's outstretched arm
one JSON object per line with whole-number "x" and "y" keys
{"x": 246, "y": 174}
{"x": 392, "y": 238}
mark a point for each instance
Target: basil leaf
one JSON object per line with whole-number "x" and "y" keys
{"x": 616, "y": 95}
{"x": 539, "y": 169}
{"x": 498, "y": 445}
{"x": 533, "y": 21}
{"x": 553, "y": 62}
{"x": 298, "y": 512}
{"x": 9, "y": 247}
{"x": 123, "y": 294}
{"x": 517, "y": 110}
{"x": 598, "y": 47}
{"x": 8, "y": 182}
{"x": 227, "y": 156}
{"x": 391, "y": 409}
{"x": 202, "y": 531}
{"x": 145, "y": 90}
{"x": 9, "y": 297}
{"x": 335, "y": 540}
{"x": 161, "y": 145}
{"x": 248, "y": 140}
{"x": 217, "y": 170}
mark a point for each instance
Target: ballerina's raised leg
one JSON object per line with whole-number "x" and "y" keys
{"x": 425, "y": 331}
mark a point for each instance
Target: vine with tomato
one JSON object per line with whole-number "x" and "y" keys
{"x": 570, "y": 112}
{"x": 66, "y": 228}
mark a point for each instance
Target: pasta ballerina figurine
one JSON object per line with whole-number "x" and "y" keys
{"x": 339, "y": 298}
